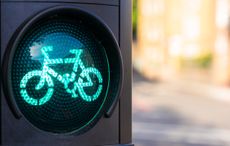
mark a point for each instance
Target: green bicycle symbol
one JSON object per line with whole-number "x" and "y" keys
{"x": 46, "y": 73}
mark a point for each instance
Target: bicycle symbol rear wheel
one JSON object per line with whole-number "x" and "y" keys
{"x": 34, "y": 101}
{"x": 81, "y": 85}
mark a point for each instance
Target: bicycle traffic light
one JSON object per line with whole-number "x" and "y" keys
{"x": 63, "y": 73}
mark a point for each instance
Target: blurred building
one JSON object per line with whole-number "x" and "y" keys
{"x": 183, "y": 39}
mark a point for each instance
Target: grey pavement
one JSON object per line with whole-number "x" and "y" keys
{"x": 180, "y": 113}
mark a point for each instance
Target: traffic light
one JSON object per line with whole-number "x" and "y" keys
{"x": 66, "y": 72}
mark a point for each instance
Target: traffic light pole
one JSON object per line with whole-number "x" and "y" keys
{"x": 126, "y": 48}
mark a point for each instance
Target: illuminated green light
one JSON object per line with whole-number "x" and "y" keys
{"x": 46, "y": 73}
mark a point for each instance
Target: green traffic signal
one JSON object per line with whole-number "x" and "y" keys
{"x": 46, "y": 73}
{"x": 60, "y": 75}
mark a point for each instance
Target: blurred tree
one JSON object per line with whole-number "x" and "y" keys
{"x": 134, "y": 19}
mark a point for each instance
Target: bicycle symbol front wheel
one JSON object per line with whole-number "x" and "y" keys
{"x": 81, "y": 85}
{"x": 34, "y": 101}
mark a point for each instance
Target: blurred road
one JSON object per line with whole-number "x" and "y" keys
{"x": 180, "y": 113}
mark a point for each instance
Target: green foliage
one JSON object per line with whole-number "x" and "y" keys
{"x": 201, "y": 61}
{"x": 134, "y": 18}
{"x": 204, "y": 61}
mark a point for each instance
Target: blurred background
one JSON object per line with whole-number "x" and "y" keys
{"x": 181, "y": 77}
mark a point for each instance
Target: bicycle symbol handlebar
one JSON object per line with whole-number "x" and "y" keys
{"x": 46, "y": 73}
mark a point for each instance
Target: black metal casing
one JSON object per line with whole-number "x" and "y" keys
{"x": 115, "y": 130}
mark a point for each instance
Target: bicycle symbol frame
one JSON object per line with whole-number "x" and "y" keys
{"x": 46, "y": 73}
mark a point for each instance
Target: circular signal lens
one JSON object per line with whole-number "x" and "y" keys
{"x": 61, "y": 76}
